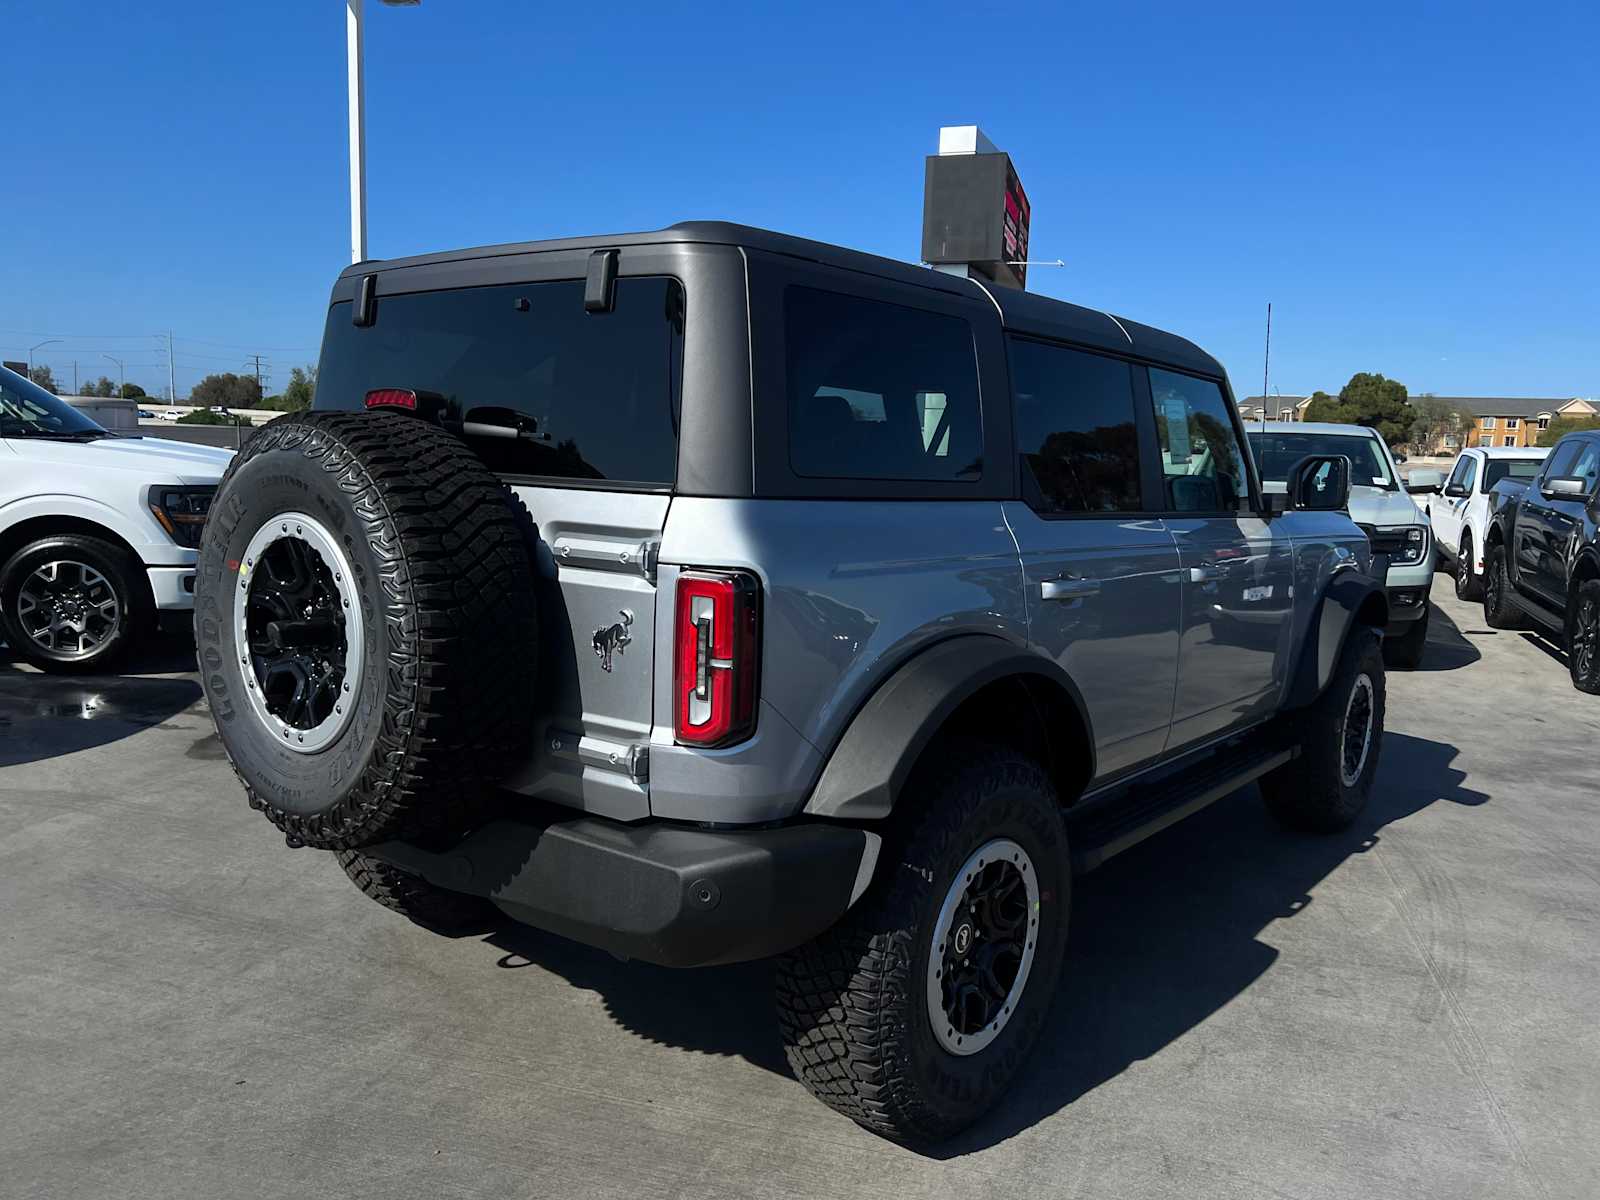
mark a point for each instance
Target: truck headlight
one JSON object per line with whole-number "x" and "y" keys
{"x": 182, "y": 511}
{"x": 1413, "y": 545}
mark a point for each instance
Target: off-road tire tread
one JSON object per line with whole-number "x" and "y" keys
{"x": 459, "y": 616}
{"x": 415, "y": 898}
{"x": 1308, "y": 793}
{"x": 843, "y": 1031}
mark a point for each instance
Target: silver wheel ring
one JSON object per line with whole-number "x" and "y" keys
{"x": 950, "y": 1039}
{"x": 312, "y": 532}
{"x": 88, "y": 578}
{"x": 1363, "y": 685}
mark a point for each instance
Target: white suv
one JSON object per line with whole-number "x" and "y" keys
{"x": 98, "y": 533}
{"x": 1460, "y": 513}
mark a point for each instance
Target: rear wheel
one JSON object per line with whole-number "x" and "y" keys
{"x": 915, "y": 1013}
{"x": 1326, "y": 787}
{"x": 1583, "y": 638}
{"x": 415, "y": 898}
{"x": 73, "y": 604}
{"x": 1468, "y": 585}
{"x": 1499, "y": 609}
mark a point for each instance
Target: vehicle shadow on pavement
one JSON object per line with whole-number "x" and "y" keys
{"x": 1448, "y": 648}
{"x": 1162, "y": 937}
{"x": 45, "y": 716}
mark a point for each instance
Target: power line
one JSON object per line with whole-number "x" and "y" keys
{"x": 148, "y": 336}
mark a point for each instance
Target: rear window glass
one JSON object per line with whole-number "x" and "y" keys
{"x": 580, "y": 395}
{"x": 1517, "y": 468}
{"x": 880, "y": 391}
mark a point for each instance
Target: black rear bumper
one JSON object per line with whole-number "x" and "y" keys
{"x": 667, "y": 894}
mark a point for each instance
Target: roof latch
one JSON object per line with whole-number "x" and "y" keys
{"x": 600, "y": 288}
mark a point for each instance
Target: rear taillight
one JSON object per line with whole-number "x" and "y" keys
{"x": 392, "y": 398}
{"x": 717, "y": 649}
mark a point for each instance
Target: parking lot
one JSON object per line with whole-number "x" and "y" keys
{"x": 189, "y": 1009}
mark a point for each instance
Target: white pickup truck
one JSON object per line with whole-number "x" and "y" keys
{"x": 98, "y": 533}
{"x": 1460, "y": 512}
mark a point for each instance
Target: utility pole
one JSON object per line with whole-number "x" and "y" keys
{"x": 172, "y": 386}
{"x": 255, "y": 361}
{"x": 74, "y": 377}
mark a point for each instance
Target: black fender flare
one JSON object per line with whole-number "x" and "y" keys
{"x": 883, "y": 741}
{"x": 1348, "y": 595}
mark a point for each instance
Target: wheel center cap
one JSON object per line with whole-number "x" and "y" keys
{"x": 963, "y": 938}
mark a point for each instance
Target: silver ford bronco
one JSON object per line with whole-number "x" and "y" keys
{"x": 709, "y": 594}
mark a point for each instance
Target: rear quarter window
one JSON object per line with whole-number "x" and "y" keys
{"x": 589, "y": 396}
{"x": 879, "y": 390}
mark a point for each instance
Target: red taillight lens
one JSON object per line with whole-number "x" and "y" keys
{"x": 392, "y": 398}
{"x": 717, "y": 650}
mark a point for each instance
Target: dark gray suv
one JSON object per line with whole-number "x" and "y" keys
{"x": 709, "y": 594}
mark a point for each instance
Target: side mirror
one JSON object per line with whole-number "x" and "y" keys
{"x": 1457, "y": 491}
{"x": 1424, "y": 480}
{"x": 1320, "y": 483}
{"x": 1568, "y": 487}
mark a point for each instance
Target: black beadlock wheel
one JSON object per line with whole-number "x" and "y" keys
{"x": 364, "y": 616}
{"x": 1583, "y": 637}
{"x": 914, "y": 1014}
{"x": 1340, "y": 735}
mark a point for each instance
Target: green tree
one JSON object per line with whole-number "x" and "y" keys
{"x": 1561, "y": 426}
{"x": 1323, "y": 407}
{"x": 226, "y": 390}
{"x": 302, "y": 388}
{"x": 132, "y": 391}
{"x": 99, "y": 387}
{"x": 1433, "y": 418}
{"x": 205, "y": 416}
{"x": 45, "y": 378}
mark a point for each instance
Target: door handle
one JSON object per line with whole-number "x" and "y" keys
{"x": 1069, "y": 588}
{"x": 1205, "y": 574}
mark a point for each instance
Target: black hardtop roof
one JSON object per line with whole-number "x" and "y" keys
{"x": 1021, "y": 312}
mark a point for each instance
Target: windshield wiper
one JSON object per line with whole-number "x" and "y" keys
{"x": 77, "y": 435}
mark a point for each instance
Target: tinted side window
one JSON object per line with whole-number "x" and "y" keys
{"x": 1562, "y": 457}
{"x": 1470, "y": 476}
{"x": 1201, "y": 464}
{"x": 590, "y": 394}
{"x": 879, "y": 391}
{"x": 1076, "y": 434}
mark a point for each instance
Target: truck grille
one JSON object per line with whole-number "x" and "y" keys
{"x": 1388, "y": 542}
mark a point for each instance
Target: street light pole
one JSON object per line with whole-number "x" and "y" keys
{"x": 355, "y": 82}
{"x": 122, "y": 376}
{"x": 34, "y": 347}
{"x": 358, "y": 142}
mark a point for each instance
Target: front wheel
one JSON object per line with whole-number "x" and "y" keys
{"x": 1468, "y": 585}
{"x": 914, "y": 1014}
{"x": 1407, "y": 649}
{"x": 73, "y": 604}
{"x": 1341, "y": 734}
{"x": 1499, "y": 609}
{"x": 1583, "y": 638}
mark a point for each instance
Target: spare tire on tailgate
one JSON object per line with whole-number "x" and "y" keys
{"x": 364, "y": 615}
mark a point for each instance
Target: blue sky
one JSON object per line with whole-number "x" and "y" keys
{"x": 1413, "y": 186}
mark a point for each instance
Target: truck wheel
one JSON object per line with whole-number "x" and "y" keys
{"x": 364, "y": 615}
{"x": 1407, "y": 649}
{"x": 415, "y": 898}
{"x": 1583, "y": 639}
{"x": 1499, "y": 609}
{"x": 913, "y": 1015}
{"x": 1468, "y": 585}
{"x": 1326, "y": 787}
{"x": 72, "y": 604}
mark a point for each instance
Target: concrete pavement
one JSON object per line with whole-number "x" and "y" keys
{"x": 189, "y": 1009}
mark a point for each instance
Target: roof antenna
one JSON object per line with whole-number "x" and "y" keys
{"x": 1266, "y": 368}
